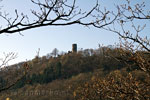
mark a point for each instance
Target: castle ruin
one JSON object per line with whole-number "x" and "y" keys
{"x": 74, "y": 48}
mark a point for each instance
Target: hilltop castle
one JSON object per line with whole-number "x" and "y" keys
{"x": 74, "y": 48}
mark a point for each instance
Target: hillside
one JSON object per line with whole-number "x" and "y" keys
{"x": 64, "y": 77}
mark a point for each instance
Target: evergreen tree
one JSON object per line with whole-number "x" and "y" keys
{"x": 48, "y": 74}
{"x": 58, "y": 70}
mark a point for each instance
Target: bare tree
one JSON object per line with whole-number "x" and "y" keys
{"x": 7, "y": 58}
{"x": 55, "y": 52}
{"x": 56, "y": 13}
{"x": 132, "y": 21}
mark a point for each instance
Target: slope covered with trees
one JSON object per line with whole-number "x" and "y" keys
{"x": 76, "y": 75}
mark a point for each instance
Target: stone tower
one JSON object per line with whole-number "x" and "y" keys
{"x": 74, "y": 48}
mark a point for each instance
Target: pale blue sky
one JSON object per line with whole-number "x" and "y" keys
{"x": 48, "y": 38}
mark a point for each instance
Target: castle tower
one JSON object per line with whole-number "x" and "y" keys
{"x": 74, "y": 48}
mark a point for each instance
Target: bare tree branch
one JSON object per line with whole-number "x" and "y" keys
{"x": 56, "y": 13}
{"x": 8, "y": 57}
{"x": 126, "y": 26}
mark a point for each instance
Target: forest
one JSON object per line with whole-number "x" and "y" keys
{"x": 94, "y": 74}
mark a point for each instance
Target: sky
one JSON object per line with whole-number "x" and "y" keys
{"x": 48, "y": 38}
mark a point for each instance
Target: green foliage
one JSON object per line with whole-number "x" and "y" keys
{"x": 48, "y": 74}
{"x": 58, "y": 69}
{"x": 20, "y": 83}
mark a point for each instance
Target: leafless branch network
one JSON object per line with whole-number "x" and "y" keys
{"x": 7, "y": 58}
{"x": 56, "y": 13}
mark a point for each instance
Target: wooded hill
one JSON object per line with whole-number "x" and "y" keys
{"x": 72, "y": 75}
